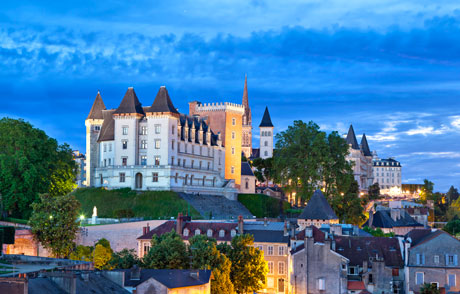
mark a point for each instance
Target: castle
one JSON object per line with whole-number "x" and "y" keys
{"x": 158, "y": 148}
{"x": 361, "y": 157}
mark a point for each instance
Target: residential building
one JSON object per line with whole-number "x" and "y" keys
{"x": 393, "y": 220}
{"x": 343, "y": 230}
{"x": 266, "y": 136}
{"x": 80, "y": 161}
{"x": 317, "y": 212}
{"x": 272, "y": 191}
{"x": 431, "y": 256}
{"x": 154, "y": 148}
{"x": 361, "y": 157}
{"x": 248, "y": 180}
{"x": 387, "y": 173}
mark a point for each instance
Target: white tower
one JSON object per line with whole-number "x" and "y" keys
{"x": 266, "y": 136}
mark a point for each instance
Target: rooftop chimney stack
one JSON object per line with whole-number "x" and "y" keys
{"x": 240, "y": 225}
{"x": 179, "y": 224}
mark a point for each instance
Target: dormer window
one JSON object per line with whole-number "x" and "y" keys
{"x": 209, "y": 233}
{"x": 233, "y": 233}
{"x": 186, "y": 232}
{"x": 221, "y": 233}
{"x": 197, "y": 232}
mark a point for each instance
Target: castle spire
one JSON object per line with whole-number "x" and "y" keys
{"x": 162, "y": 102}
{"x": 351, "y": 138}
{"x": 365, "y": 146}
{"x": 266, "y": 120}
{"x": 96, "y": 109}
{"x": 130, "y": 104}
{"x": 247, "y": 111}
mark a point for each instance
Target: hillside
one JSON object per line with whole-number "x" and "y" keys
{"x": 128, "y": 203}
{"x": 262, "y": 205}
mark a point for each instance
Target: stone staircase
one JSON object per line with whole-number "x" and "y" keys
{"x": 216, "y": 207}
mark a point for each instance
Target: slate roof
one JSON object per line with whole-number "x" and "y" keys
{"x": 200, "y": 124}
{"x": 171, "y": 278}
{"x": 255, "y": 153}
{"x": 266, "y": 120}
{"x": 268, "y": 236}
{"x": 162, "y": 102}
{"x": 318, "y": 208}
{"x": 107, "y": 132}
{"x": 382, "y": 219}
{"x": 359, "y": 249}
{"x": 97, "y": 108}
{"x": 351, "y": 138}
{"x": 365, "y": 146}
{"x": 421, "y": 236}
{"x": 318, "y": 237}
{"x": 386, "y": 162}
{"x": 246, "y": 169}
{"x": 130, "y": 104}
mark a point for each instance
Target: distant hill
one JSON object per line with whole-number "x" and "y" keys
{"x": 125, "y": 202}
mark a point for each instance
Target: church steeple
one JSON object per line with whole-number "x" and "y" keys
{"x": 351, "y": 138}
{"x": 247, "y": 111}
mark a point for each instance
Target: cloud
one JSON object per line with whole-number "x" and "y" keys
{"x": 425, "y": 131}
{"x": 433, "y": 154}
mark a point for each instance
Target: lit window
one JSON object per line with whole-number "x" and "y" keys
{"x": 157, "y": 143}
{"x": 234, "y": 121}
{"x": 144, "y": 144}
{"x": 124, "y": 161}
{"x": 122, "y": 177}
{"x": 124, "y": 144}
{"x": 281, "y": 250}
{"x": 143, "y": 160}
{"x": 270, "y": 267}
{"x": 155, "y": 177}
{"x": 270, "y": 250}
{"x": 125, "y": 130}
{"x": 281, "y": 268}
{"x": 157, "y": 160}
{"x": 157, "y": 129}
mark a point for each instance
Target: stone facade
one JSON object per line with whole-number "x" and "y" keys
{"x": 361, "y": 157}
{"x": 387, "y": 172}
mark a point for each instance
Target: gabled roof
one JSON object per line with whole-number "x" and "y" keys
{"x": 130, "y": 104}
{"x": 421, "y": 236}
{"x": 356, "y": 285}
{"x": 365, "y": 146}
{"x": 318, "y": 208}
{"x": 96, "y": 109}
{"x": 162, "y": 102}
{"x": 108, "y": 126}
{"x": 351, "y": 138}
{"x": 271, "y": 236}
{"x": 171, "y": 278}
{"x": 383, "y": 219}
{"x": 266, "y": 120}
{"x": 246, "y": 169}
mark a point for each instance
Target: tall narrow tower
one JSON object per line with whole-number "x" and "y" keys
{"x": 266, "y": 135}
{"x": 93, "y": 125}
{"x": 246, "y": 146}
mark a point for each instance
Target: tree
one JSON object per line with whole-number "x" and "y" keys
{"x": 377, "y": 232}
{"x": 102, "y": 257}
{"x": 347, "y": 205}
{"x": 31, "y": 163}
{"x": 82, "y": 252}
{"x": 427, "y": 190}
{"x": 249, "y": 268}
{"x": 124, "y": 259}
{"x": 452, "y": 195}
{"x": 205, "y": 255}
{"x": 453, "y": 227}
{"x": 263, "y": 169}
{"x": 374, "y": 191}
{"x": 54, "y": 223}
{"x": 167, "y": 251}
{"x": 429, "y": 289}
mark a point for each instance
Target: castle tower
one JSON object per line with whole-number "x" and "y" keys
{"x": 93, "y": 125}
{"x": 247, "y": 123}
{"x": 226, "y": 119}
{"x": 266, "y": 135}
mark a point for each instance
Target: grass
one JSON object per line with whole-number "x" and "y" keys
{"x": 262, "y": 205}
{"x": 148, "y": 204}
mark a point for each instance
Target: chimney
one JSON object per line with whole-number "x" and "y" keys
{"x": 192, "y": 107}
{"x": 394, "y": 214}
{"x": 179, "y": 224}
{"x": 292, "y": 230}
{"x": 333, "y": 243}
{"x": 308, "y": 232}
{"x": 146, "y": 229}
{"x": 285, "y": 227}
{"x": 265, "y": 221}
{"x": 240, "y": 225}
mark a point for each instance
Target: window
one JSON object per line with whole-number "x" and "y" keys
{"x": 436, "y": 284}
{"x": 281, "y": 250}
{"x": 125, "y": 130}
{"x": 183, "y": 163}
{"x": 266, "y": 153}
{"x": 233, "y": 121}
{"x": 122, "y": 177}
{"x": 371, "y": 279}
{"x": 247, "y": 184}
{"x": 281, "y": 268}
{"x": 436, "y": 259}
{"x": 105, "y": 147}
{"x": 221, "y": 233}
{"x": 197, "y": 232}
{"x": 451, "y": 280}
{"x": 144, "y": 160}
{"x": 176, "y": 177}
{"x": 209, "y": 233}
{"x": 270, "y": 267}
{"x": 270, "y": 250}
{"x": 233, "y": 169}
{"x": 233, "y": 150}
{"x": 157, "y": 143}
{"x": 233, "y": 233}
{"x": 233, "y": 135}
{"x": 146, "y": 248}
{"x": 157, "y": 129}
{"x": 178, "y": 162}
{"x": 172, "y": 129}
{"x": 352, "y": 270}
{"x": 281, "y": 285}
{"x": 155, "y": 177}
{"x": 193, "y": 163}
{"x": 420, "y": 258}
{"x": 97, "y": 128}
{"x": 172, "y": 144}
{"x": 157, "y": 160}
{"x": 321, "y": 283}
{"x": 201, "y": 163}
{"x": 451, "y": 260}
{"x": 144, "y": 130}
{"x": 110, "y": 161}
{"x": 144, "y": 144}
{"x": 124, "y": 161}
{"x": 185, "y": 232}
{"x": 209, "y": 165}
{"x": 105, "y": 162}
{"x": 110, "y": 147}
{"x": 124, "y": 144}
{"x": 270, "y": 283}
{"x": 266, "y": 143}
{"x": 419, "y": 278}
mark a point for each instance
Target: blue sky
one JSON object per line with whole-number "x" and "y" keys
{"x": 391, "y": 68}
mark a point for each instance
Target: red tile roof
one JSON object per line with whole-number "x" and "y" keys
{"x": 356, "y": 285}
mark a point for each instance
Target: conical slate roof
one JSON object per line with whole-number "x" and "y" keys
{"x": 108, "y": 126}
{"x": 318, "y": 208}
{"x": 351, "y": 138}
{"x": 162, "y": 102}
{"x": 130, "y": 104}
{"x": 96, "y": 109}
{"x": 247, "y": 110}
{"x": 365, "y": 146}
{"x": 266, "y": 120}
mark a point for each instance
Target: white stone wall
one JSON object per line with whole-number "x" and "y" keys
{"x": 266, "y": 138}
{"x": 387, "y": 176}
{"x": 131, "y": 152}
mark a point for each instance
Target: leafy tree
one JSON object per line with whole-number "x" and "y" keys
{"x": 429, "y": 289}
{"x": 426, "y": 191}
{"x": 263, "y": 169}
{"x": 167, "y": 251}
{"x": 453, "y": 227}
{"x": 31, "y": 163}
{"x": 452, "y": 195}
{"x": 54, "y": 223}
{"x": 374, "y": 191}
{"x": 124, "y": 259}
{"x": 348, "y": 206}
{"x": 82, "y": 252}
{"x": 102, "y": 257}
{"x": 205, "y": 255}
{"x": 249, "y": 267}
{"x": 377, "y": 232}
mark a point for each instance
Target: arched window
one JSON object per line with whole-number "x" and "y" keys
{"x": 209, "y": 233}
{"x": 233, "y": 233}
{"x": 247, "y": 184}
{"x": 221, "y": 233}
{"x": 101, "y": 179}
{"x": 197, "y": 232}
{"x": 266, "y": 143}
{"x": 186, "y": 232}
{"x": 266, "y": 153}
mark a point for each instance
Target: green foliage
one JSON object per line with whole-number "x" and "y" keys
{"x": 124, "y": 213}
{"x": 16, "y": 220}
{"x": 453, "y": 227}
{"x": 82, "y": 252}
{"x": 102, "y": 257}
{"x": 167, "y": 251}
{"x": 54, "y": 223}
{"x": 377, "y": 232}
{"x": 426, "y": 191}
{"x": 263, "y": 169}
{"x": 429, "y": 289}
{"x": 374, "y": 191}
{"x": 124, "y": 259}
{"x": 31, "y": 163}
{"x": 349, "y": 207}
{"x": 249, "y": 268}
{"x": 452, "y": 195}
{"x": 262, "y": 205}
{"x": 149, "y": 204}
